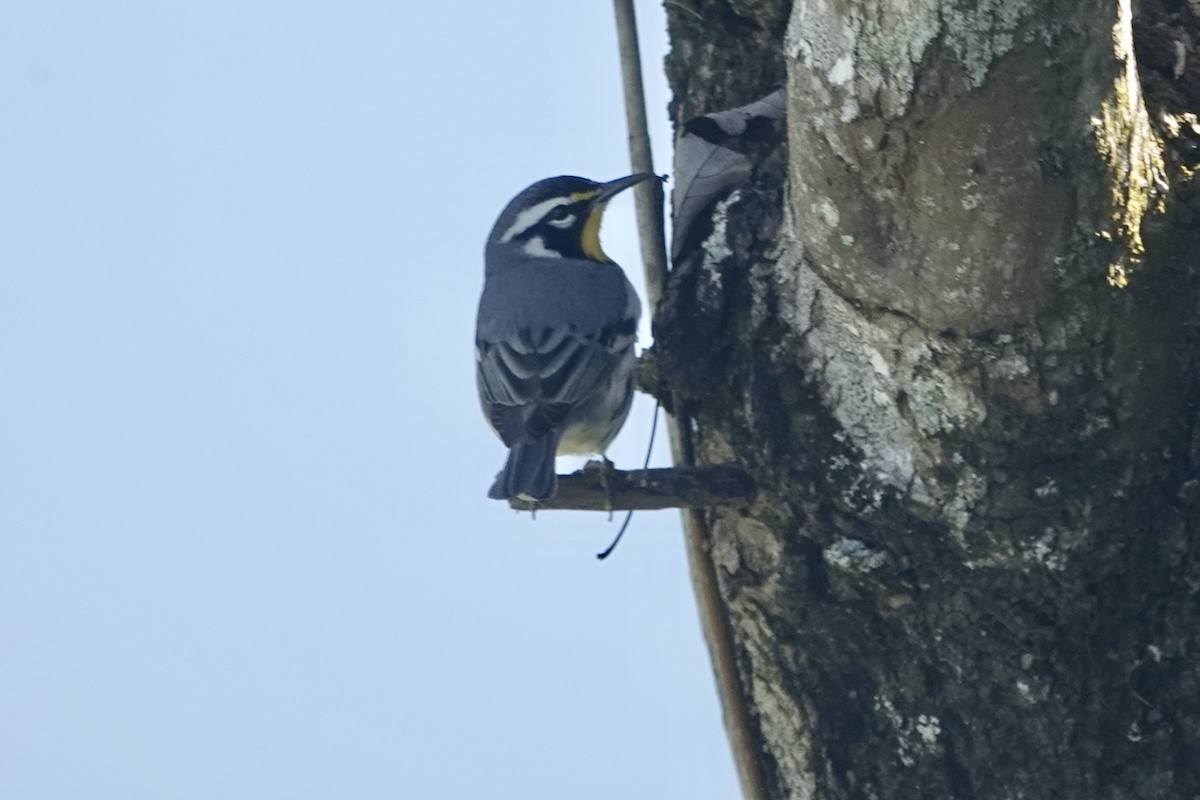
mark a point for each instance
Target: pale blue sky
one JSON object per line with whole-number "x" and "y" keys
{"x": 245, "y": 548}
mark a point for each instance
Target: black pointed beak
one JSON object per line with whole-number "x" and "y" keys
{"x": 612, "y": 188}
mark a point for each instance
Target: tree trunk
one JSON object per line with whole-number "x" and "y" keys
{"x": 951, "y": 325}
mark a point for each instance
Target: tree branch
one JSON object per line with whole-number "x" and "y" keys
{"x": 647, "y": 489}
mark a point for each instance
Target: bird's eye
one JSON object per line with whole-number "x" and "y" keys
{"x": 561, "y": 217}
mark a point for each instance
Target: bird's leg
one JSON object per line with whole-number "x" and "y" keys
{"x": 604, "y": 470}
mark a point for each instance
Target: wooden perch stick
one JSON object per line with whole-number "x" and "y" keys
{"x": 647, "y": 489}
{"x": 713, "y": 617}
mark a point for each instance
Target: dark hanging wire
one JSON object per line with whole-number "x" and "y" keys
{"x": 645, "y": 465}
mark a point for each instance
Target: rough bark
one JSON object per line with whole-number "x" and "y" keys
{"x": 950, "y": 326}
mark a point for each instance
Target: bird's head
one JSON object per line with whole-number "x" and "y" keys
{"x": 559, "y": 217}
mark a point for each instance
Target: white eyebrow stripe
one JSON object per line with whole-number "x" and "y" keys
{"x": 530, "y": 216}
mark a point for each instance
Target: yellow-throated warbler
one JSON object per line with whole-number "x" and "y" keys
{"x": 554, "y": 337}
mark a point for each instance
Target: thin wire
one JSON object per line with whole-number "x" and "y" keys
{"x": 645, "y": 466}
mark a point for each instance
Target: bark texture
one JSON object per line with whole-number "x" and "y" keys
{"x": 951, "y": 326}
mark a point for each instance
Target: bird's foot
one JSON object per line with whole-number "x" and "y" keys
{"x": 604, "y": 470}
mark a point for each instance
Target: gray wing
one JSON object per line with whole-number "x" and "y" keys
{"x": 530, "y": 380}
{"x": 548, "y": 333}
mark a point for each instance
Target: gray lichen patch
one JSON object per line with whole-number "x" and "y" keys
{"x": 852, "y": 555}
{"x": 786, "y": 738}
{"x": 785, "y": 728}
{"x": 937, "y": 402}
{"x": 890, "y": 395}
{"x": 842, "y": 356}
{"x": 868, "y": 53}
{"x": 981, "y": 32}
{"x": 716, "y": 244}
{"x": 871, "y": 52}
{"x": 760, "y": 547}
{"x": 908, "y": 206}
{"x": 968, "y": 491}
{"x": 915, "y": 738}
{"x": 935, "y": 223}
{"x": 1011, "y": 367}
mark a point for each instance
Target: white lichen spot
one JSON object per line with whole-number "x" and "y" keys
{"x": 928, "y": 728}
{"x": 878, "y": 364}
{"x": 847, "y": 240}
{"x": 1155, "y": 653}
{"x": 853, "y": 555}
{"x": 842, "y": 70}
{"x": 725, "y": 555}
{"x": 1046, "y": 489}
{"x": 1032, "y": 690}
{"x": 884, "y": 706}
{"x": 1011, "y": 367}
{"x": 716, "y": 246}
{"x": 1094, "y": 423}
{"x": 913, "y": 739}
{"x": 850, "y": 110}
{"x": 881, "y": 397}
{"x": 864, "y": 496}
{"x": 1045, "y": 551}
{"x": 969, "y": 490}
{"x": 828, "y": 212}
{"x": 970, "y": 202}
{"x": 937, "y": 402}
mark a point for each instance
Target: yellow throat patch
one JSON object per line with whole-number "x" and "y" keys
{"x": 590, "y": 237}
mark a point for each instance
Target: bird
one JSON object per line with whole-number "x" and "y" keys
{"x": 555, "y": 332}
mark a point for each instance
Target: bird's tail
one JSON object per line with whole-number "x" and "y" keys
{"x": 529, "y": 471}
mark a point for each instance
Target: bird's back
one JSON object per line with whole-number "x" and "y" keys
{"x": 530, "y": 292}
